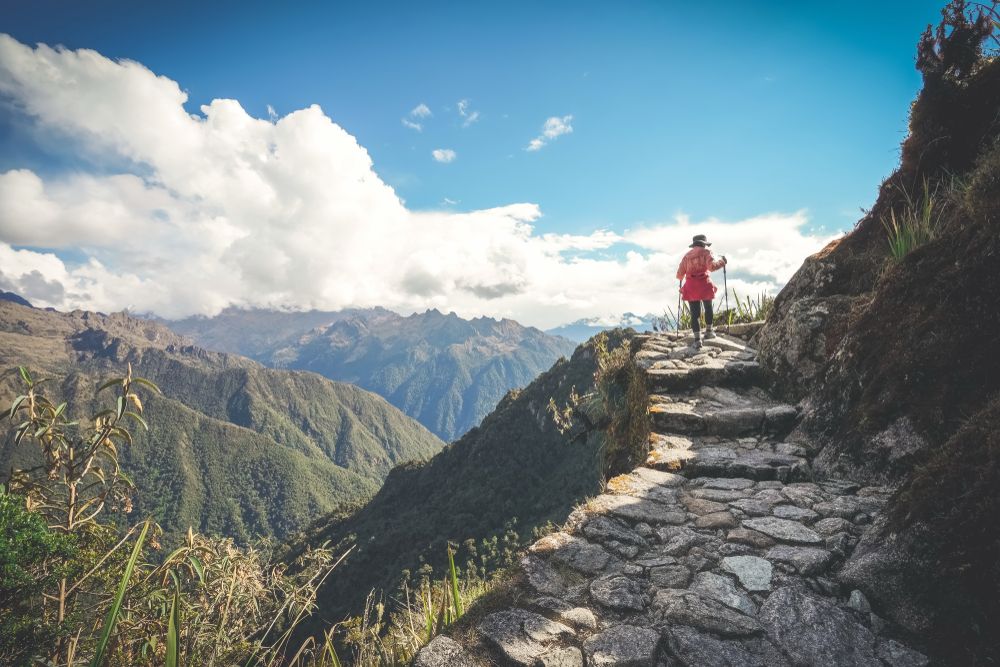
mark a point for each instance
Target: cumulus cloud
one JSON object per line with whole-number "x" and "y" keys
{"x": 555, "y": 126}
{"x": 445, "y": 155}
{"x": 421, "y": 111}
{"x": 469, "y": 117}
{"x": 193, "y": 212}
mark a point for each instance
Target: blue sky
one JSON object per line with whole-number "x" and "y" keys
{"x": 721, "y": 110}
{"x": 728, "y": 109}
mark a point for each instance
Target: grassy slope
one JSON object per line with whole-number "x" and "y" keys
{"x": 515, "y": 465}
{"x": 235, "y": 448}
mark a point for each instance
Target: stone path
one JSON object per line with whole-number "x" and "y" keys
{"x": 720, "y": 551}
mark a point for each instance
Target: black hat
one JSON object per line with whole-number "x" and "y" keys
{"x": 701, "y": 240}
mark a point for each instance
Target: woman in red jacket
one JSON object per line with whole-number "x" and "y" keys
{"x": 698, "y": 289}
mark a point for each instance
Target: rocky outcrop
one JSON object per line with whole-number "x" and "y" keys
{"x": 680, "y": 562}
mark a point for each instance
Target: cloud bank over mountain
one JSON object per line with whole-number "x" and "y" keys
{"x": 188, "y": 213}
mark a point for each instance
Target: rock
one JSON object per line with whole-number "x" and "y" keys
{"x": 704, "y": 613}
{"x": 844, "y": 507}
{"x": 677, "y": 540}
{"x": 831, "y": 526}
{"x": 622, "y": 646}
{"x": 783, "y": 530}
{"x": 716, "y": 520}
{"x": 719, "y": 495}
{"x": 639, "y": 509}
{"x": 858, "y": 602}
{"x": 794, "y": 513}
{"x": 750, "y": 537}
{"x": 731, "y": 483}
{"x": 561, "y": 657}
{"x": 573, "y": 551}
{"x": 753, "y": 572}
{"x": 619, "y": 592}
{"x": 644, "y": 529}
{"x": 814, "y": 631}
{"x": 604, "y": 529}
{"x": 803, "y": 494}
{"x": 700, "y": 506}
{"x": 542, "y": 576}
{"x": 723, "y": 589}
{"x": 805, "y": 560}
{"x": 521, "y": 635}
{"x": 897, "y": 655}
{"x": 581, "y": 617}
{"x": 670, "y": 576}
{"x": 695, "y": 649}
{"x": 753, "y": 506}
{"x": 772, "y": 496}
{"x": 443, "y": 652}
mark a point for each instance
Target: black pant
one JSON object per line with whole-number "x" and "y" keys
{"x": 696, "y": 314}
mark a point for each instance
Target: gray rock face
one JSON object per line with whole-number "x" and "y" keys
{"x": 805, "y": 560}
{"x": 753, "y": 572}
{"x": 794, "y": 513}
{"x": 522, "y": 636}
{"x": 814, "y": 631}
{"x": 603, "y": 529}
{"x": 784, "y": 530}
{"x": 639, "y": 509}
{"x": 670, "y": 576}
{"x": 723, "y": 589}
{"x": 897, "y": 655}
{"x": 443, "y": 652}
{"x": 696, "y": 649}
{"x": 619, "y": 592}
{"x": 622, "y": 646}
{"x": 561, "y": 657}
{"x": 703, "y": 613}
{"x": 573, "y": 551}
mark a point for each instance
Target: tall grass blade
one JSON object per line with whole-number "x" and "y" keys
{"x": 453, "y": 575}
{"x": 174, "y": 631}
{"x": 112, "y": 618}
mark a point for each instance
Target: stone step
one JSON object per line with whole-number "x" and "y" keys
{"x": 749, "y": 458}
{"x": 672, "y": 364}
{"x": 720, "y": 411}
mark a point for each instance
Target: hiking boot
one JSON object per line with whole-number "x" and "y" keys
{"x": 709, "y": 334}
{"x": 697, "y": 341}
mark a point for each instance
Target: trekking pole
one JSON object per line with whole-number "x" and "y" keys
{"x": 680, "y": 283}
{"x": 725, "y": 295}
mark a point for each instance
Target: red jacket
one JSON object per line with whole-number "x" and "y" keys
{"x": 694, "y": 270}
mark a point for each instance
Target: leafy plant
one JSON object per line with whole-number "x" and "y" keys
{"x": 621, "y": 386}
{"x": 747, "y": 309}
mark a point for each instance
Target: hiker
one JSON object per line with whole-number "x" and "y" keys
{"x": 697, "y": 288}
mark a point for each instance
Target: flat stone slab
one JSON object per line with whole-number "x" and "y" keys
{"x": 724, "y": 590}
{"x": 679, "y": 607}
{"x": 622, "y": 646}
{"x": 573, "y": 551}
{"x": 617, "y": 591}
{"x": 569, "y": 656}
{"x": 815, "y": 631}
{"x": 521, "y": 635}
{"x": 753, "y": 572}
{"x": 698, "y": 649}
{"x": 784, "y": 530}
{"x": 638, "y": 509}
{"x": 444, "y": 651}
{"x": 806, "y": 560}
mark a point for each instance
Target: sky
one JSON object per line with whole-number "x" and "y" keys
{"x": 545, "y": 161}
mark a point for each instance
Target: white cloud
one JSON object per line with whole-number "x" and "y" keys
{"x": 555, "y": 126}
{"x": 271, "y": 113}
{"x": 417, "y": 112}
{"x": 445, "y": 155}
{"x": 190, "y": 213}
{"x": 469, "y": 116}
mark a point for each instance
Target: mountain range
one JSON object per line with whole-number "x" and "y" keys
{"x": 586, "y": 328}
{"x": 234, "y": 448}
{"x": 444, "y": 371}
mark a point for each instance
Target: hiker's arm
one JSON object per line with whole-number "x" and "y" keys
{"x": 682, "y": 269}
{"x": 716, "y": 264}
